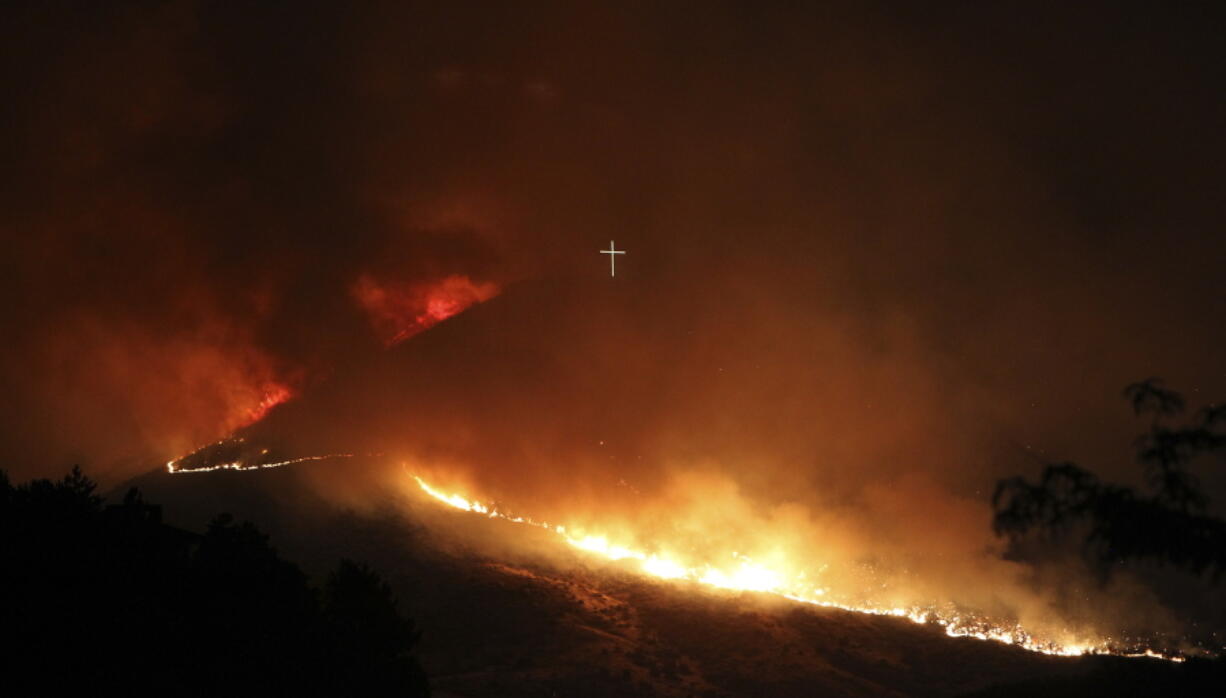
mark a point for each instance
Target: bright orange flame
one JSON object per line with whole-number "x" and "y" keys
{"x": 744, "y": 574}
{"x": 399, "y": 311}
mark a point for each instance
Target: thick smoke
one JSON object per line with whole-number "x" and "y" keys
{"x": 877, "y": 259}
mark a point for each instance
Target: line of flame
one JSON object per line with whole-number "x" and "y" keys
{"x": 174, "y": 469}
{"x": 750, "y": 576}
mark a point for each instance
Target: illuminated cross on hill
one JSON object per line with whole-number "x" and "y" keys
{"x": 612, "y": 260}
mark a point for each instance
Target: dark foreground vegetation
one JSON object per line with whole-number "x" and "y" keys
{"x": 1113, "y": 524}
{"x": 100, "y": 598}
{"x": 107, "y": 599}
{"x": 1118, "y": 677}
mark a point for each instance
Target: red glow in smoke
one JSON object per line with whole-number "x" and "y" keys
{"x": 274, "y": 394}
{"x": 399, "y": 311}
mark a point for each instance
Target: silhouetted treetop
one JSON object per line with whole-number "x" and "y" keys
{"x": 108, "y": 598}
{"x": 1116, "y": 523}
{"x": 1148, "y": 396}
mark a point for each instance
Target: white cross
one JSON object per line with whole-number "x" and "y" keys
{"x": 612, "y": 260}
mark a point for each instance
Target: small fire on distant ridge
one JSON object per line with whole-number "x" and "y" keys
{"x": 274, "y": 394}
{"x": 398, "y": 311}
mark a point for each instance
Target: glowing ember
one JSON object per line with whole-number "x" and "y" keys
{"x": 744, "y": 574}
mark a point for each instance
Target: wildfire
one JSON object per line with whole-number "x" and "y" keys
{"x": 274, "y": 394}
{"x": 744, "y": 574}
{"x": 172, "y": 466}
{"x": 399, "y": 311}
{"x": 234, "y": 454}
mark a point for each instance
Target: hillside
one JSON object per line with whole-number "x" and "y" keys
{"x": 505, "y": 613}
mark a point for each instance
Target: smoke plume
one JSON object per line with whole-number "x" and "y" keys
{"x": 877, "y": 258}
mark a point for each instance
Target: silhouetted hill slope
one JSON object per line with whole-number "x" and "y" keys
{"x": 109, "y": 599}
{"x": 504, "y": 612}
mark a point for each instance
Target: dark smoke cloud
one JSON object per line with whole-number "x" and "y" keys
{"x": 869, "y": 247}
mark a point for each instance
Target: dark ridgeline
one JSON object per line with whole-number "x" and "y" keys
{"x": 108, "y": 599}
{"x": 1114, "y": 523}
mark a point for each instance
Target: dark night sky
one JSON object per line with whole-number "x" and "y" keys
{"x": 869, "y": 244}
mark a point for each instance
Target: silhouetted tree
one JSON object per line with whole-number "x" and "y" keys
{"x": 370, "y": 637}
{"x": 1118, "y": 523}
{"x": 109, "y": 599}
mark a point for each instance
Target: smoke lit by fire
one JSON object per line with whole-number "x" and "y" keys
{"x": 739, "y": 572}
{"x": 869, "y": 250}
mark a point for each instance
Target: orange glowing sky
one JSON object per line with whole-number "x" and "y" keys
{"x": 879, "y": 258}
